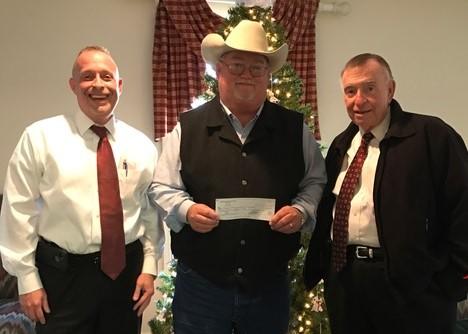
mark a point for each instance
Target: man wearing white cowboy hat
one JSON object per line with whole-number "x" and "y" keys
{"x": 243, "y": 149}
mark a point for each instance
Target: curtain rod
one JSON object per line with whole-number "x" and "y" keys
{"x": 341, "y": 8}
{"x": 335, "y": 7}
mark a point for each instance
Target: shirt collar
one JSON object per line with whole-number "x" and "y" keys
{"x": 83, "y": 123}
{"x": 381, "y": 129}
{"x": 232, "y": 117}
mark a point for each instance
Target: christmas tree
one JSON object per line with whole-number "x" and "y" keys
{"x": 308, "y": 311}
{"x": 162, "y": 323}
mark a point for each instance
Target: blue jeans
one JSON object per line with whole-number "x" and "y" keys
{"x": 200, "y": 307}
{"x": 461, "y": 327}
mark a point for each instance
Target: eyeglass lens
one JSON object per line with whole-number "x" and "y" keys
{"x": 255, "y": 70}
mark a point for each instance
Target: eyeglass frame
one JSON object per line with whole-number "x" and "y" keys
{"x": 265, "y": 68}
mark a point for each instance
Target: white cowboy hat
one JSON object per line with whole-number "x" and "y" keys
{"x": 246, "y": 36}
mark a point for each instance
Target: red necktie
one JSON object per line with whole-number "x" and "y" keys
{"x": 343, "y": 204}
{"x": 110, "y": 207}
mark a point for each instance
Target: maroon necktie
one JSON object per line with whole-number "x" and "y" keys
{"x": 343, "y": 204}
{"x": 110, "y": 207}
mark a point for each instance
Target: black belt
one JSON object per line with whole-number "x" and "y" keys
{"x": 53, "y": 255}
{"x": 364, "y": 252}
{"x": 96, "y": 256}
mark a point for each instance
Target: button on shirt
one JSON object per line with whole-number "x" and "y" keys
{"x": 170, "y": 193}
{"x": 361, "y": 225}
{"x": 51, "y": 190}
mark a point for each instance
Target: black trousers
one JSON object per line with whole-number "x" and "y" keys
{"x": 360, "y": 300}
{"x": 82, "y": 299}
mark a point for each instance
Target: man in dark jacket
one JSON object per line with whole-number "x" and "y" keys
{"x": 393, "y": 250}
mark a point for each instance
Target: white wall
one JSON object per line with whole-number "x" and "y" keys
{"x": 38, "y": 44}
{"x": 425, "y": 42}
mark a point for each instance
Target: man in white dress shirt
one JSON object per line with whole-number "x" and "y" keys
{"x": 50, "y": 232}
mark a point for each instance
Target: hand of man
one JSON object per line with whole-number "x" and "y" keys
{"x": 34, "y": 304}
{"x": 287, "y": 220}
{"x": 202, "y": 218}
{"x": 144, "y": 289}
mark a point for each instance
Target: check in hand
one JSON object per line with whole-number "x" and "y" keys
{"x": 202, "y": 218}
{"x": 286, "y": 220}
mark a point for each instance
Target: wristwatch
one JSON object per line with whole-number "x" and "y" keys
{"x": 302, "y": 221}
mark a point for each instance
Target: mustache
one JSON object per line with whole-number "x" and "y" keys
{"x": 244, "y": 82}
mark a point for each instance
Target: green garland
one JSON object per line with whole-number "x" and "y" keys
{"x": 162, "y": 323}
{"x": 308, "y": 309}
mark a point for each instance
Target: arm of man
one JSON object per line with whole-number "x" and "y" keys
{"x": 144, "y": 290}
{"x": 301, "y": 214}
{"x": 450, "y": 172}
{"x": 18, "y": 226}
{"x": 153, "y": 246}
{"x": 153, "y": 242}
{"x": 34, "y": 304}
{"x": 202, "y": 218}
{"x": 169, "y": 193}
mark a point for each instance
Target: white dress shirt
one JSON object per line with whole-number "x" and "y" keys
{"x": 51, "y": 191}
{"x": 361, "y": 224}
{"x": 169, "y": 191}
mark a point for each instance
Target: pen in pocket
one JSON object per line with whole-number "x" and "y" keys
{"x": 125, "y": 166}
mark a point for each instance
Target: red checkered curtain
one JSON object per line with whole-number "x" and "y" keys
{"x": 298, "y": 19}
{"x": 178, "y": 67}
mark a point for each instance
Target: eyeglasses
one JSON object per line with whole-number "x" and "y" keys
{"x": 255, "y": 70}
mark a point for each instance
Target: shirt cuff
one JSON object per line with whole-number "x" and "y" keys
{"x": 309, "y": 223}
{"x": 182, "y": 211}
{"x": 29, "y": 282}
{"x": 150, "y": 265}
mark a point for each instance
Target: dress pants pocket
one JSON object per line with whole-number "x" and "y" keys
{"x": 51, "y": 255}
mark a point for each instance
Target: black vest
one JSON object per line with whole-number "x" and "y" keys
{"x": 215, "y": 164}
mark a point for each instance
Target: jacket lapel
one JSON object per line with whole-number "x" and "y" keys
{"x": 219, "y": 124}
{"x": 264, "y": 125}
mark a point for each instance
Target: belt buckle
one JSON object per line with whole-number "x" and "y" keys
{"x": 368, "y": 250}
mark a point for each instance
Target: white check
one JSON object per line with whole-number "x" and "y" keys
{"x": 245, "y": 208}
